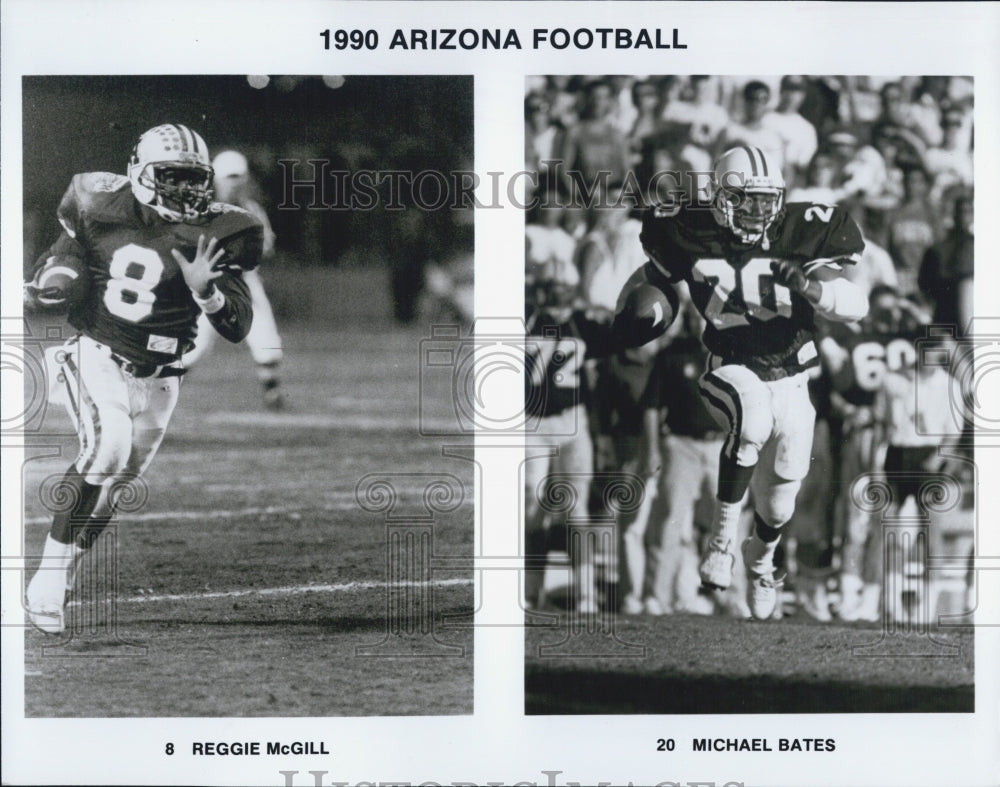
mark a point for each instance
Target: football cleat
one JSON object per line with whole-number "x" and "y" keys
{"x": 762, "y": 589}
{"x": 716, "y": 569}
{"x": 652, "y": 606}
{"x": 814, "y": 601}
{"x": 45, "y": 602}
{"x": 632, "y": 606}
{"x": 587, "y": 606}
{"x": 274, "y": 399}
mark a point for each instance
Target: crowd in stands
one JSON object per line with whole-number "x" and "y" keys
{"x": 897, "y": 153}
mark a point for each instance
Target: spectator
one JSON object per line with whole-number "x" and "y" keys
{"x": 912, "y": 228}
{"x": 703, "y": 113}
{"x": 546, "y": 239}
{"x": 821, "y": 179}
{"x": 947, "y": 269}
{"x": 647, "y": 99}
{"x": 898, "y": 116}
{"x": 610, "y": 252}
{"x": 951, "y": 163}
{"x": 798, "y": 135}
{"x": 541, "y": 135}
{"x": 752, "y": 130}
{"x": 595, "y": 145}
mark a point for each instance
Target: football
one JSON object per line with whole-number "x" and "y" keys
{"x": 61, "y": 283}
{"x": 645, "y": 314}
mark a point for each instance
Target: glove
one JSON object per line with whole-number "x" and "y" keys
{"x": 789, "y": 274}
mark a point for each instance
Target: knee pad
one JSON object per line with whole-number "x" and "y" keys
{"x": 776, "y": 504}
{"x": 741, "y": 404}
{"x": 105, "y": 452}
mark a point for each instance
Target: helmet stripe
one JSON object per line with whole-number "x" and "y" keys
{"x": 763, "y": 161}
{"x": 184, "y": 144}
{"x": 753, "y": 161}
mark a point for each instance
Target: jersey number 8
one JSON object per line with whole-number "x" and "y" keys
{"x": 135, "y": 271}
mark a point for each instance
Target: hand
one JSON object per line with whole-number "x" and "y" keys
{"x": 199, "y": 273}
{"x": 789, "y": 274}
{"x": 31, "y": 296}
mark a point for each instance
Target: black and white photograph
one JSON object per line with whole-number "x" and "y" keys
{"x": 227, "y": 481}
{"x": 746, "y": 305}
{"x": 481, "y": 393}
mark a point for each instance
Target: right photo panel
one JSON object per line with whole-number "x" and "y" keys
{"x": 749, "y": 482}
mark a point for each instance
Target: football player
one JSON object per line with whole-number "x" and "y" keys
{"x": 857, "y": 359}
{"x": 758, "y": 271}
{"x": 232, "y": 185}
{"x": 159, "y": 253}
{"x": 560, "y": 337}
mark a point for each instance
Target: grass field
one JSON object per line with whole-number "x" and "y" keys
{"x": 250, "y": 577}
{"x": 704, "y": 665}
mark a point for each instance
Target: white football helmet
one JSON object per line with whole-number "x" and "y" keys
{"x": 748, "y": 193}
{"x": 170, "y": 172}
{"x": 232, "y": 176}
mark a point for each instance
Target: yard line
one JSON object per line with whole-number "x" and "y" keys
{"x": 167, "y": 516}
{"x": 340, "y": 421}
{"x": 344, "y": 587}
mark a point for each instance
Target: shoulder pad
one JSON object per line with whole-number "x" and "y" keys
{"x": 92, "y": 194}
{"x": 822, "y": 233}
{"x": 96, "y": 183}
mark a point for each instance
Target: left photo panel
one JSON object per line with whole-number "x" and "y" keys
{"x": 247, "y": 488}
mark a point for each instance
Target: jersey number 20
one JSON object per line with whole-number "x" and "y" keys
{"x": 736, "y": 293}
{"x": 135, "y": 271}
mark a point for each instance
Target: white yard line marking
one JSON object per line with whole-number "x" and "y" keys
{"x": 167, "y": 516}
{"x": 344, "y": 421}
{"x": 344, "y": 587}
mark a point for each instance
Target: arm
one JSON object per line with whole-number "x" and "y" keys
{"x": 64, "y": 250}
{"x": 830, "y": 294}
{"x": 220, "y": 293}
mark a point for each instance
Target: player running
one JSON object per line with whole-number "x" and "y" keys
{"x": 758, "y": 271}
{"x": 158, "y": 253}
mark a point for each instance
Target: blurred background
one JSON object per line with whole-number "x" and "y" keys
{"x": 896, "y": 152}
{"x": 82, "y": 124}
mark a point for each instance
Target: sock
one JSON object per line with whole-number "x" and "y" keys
{"x": 724, "y": 523}
{"x": 88, "y": 534}
{"x": 761, "y": 546}
{"x": 734, "y": 480}
{"x": 67, "y": 525}
{"x": 267, "y": 373}
{"x": 56, "y": 555}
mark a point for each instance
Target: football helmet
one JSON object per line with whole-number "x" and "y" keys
{"x": 748, "y": 193}
{"x": 170, "y": 172}
{"x": 232, "y": 176}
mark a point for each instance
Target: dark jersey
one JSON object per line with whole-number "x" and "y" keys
{"x": 555, "y": 352}
{"x": 750, "y": 319}
{"x": 139, "y": 304}
{"x": 857, "y": 372}
{"x": 674, "y": 386}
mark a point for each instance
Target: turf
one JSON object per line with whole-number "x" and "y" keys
{"x": 250, "y": 582}
{"x": 705, "y": 665}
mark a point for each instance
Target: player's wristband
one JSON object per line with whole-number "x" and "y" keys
{"x": 212, "y": 303}
{"x": 841, "y": 300}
